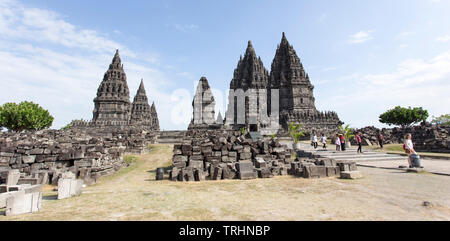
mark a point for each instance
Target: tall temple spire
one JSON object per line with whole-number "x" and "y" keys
{"x": 155, "y": 120}
{"x": 250, "y": 72}
{"x": 287, "y": 75}
{"x": 140, "y": 109}
{"x": 112, "y": 103}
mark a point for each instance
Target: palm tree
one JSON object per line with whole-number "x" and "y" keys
{"x": 347, "y": 132}
{"x": 296, "y": 133}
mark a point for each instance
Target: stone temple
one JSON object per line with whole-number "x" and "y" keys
{"x": 287, "y": 81}
{"x": 112, "y": 106}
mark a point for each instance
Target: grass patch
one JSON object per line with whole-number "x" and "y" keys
{"x": 129, "y": 159}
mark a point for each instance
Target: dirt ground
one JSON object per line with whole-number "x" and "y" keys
{"x": 133, "y": 194}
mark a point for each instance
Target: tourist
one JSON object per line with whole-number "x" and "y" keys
{"x": 338, "y": 143}
{"x": 409, "y": 148}
{"x": 342, "y": 140}
{"x": 380, "y": 140}
{"x": 323, "y": 140}
{"x": 359, "y": 142}
{"x": 314, "y": 140}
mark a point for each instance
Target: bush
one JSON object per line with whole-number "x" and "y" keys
{"x": 24, "y": 116}
{"x": 404, "y": 116}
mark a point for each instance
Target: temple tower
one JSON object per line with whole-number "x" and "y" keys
{"x": 288, "y": 75}
{"x": 250, "y": 77}
{"x": 154, "y": 117}
{"x": 112, "y": 104}
{"x": 203, "y": 105}
{"x": 141, "y": 110}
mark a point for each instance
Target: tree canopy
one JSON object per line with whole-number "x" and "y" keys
{"x": 404, "y": 116}
{"x": 442, "y": 120}
{"x": 24, "y": 116}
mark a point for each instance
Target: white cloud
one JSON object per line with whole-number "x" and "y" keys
{"x": 360, "y": 37}
{"x": 183, "y": 27}
{"x": 415, "y": 82}
{"x": 443, "y": 39}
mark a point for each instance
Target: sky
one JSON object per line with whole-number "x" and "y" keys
{"x": 363, "y": 57}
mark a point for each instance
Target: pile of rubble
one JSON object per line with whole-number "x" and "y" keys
{"x": 43, "y": 156}
{"x": 426, "y": 137}
{"x": 216, "y": 155}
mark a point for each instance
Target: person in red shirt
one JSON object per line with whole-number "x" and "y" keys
{"x": 359, "y": 142}
{"x": 342, "y": 138}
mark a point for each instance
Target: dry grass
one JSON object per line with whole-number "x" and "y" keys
{"x": 133, "y": 194}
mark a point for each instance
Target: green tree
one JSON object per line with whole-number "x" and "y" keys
{"x": 347, "y": 132}
{"x": 443, "y": 120}
{"x": 295, "y": 132}
{"x": 24, "y": 116}
{"x": 404, "y": 116}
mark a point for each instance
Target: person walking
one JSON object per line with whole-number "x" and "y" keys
{"x": 409, "y": 148}
{"x": 337, "y": 141}
{"x": 342, "y": 139}
{"x": 314, "y": 140}
{"x": 323, "y": 140}
{"x": 359, "y": 142}
{"x": 380, "y": 140}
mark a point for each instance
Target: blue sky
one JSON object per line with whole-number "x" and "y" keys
{"x": 363, "y": 57}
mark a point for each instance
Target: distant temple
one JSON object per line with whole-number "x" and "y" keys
{"x": 287, "y": 81}
{"x": 112, "y": 106}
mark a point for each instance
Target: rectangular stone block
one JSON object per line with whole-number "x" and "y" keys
{"x": 245, "y": 156}
{"x": 28, "y": 159}
{"x": 314, "y": 171}
{"x": 189, "y": 175}
{"x": 4, "y": 196}
{"x": 196, "y": 158}
{"x": 260, "y": 163}
{"x": 351, "y": 175}
{"x": 179, "y": 158}
{"x": 173, "y": 175}
{"x": 21, "y": 203}
{"x": 32, "y": 181}
{"x": 12, "y": 177}
{"x": 68, "y": 188}
{"x": 199, "y": 175}
{"x": 264, "y": 173}
{"x": 217, "y": 173}
{"x": 196, "y": 164}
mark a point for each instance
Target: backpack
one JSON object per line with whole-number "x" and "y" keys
{"x": 404, "y": 147}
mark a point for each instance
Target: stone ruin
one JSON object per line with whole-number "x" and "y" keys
{"x": 203, "y": 108}
{"x": 217, "y": 155}
{"x": 296, "y": 98}
{"x": 426, "y": 137}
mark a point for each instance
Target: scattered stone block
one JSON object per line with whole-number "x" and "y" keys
{"x": 69, "y": 187}
{"x": 351, "y": 175}
{"x": 246, "y": 170}
{"x": 21, "y": 203}
{"x": 4, "y": 196}
{"x": 12, "y": 177}
{"x": 31, "y": 181}
{"x": 159, "y": 174}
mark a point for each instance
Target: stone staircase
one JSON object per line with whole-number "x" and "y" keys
{"x": 170, "y": 137}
